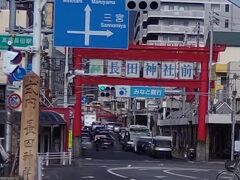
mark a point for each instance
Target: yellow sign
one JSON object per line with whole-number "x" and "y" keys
{"x": 70, "y": 139}
{"x": 29, "y": 127}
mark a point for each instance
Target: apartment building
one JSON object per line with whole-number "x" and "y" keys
{"x": 188, "y": 22}
{"x": 185, "y": 22}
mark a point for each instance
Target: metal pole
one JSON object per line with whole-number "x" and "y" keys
{"x": 210, "y": 62}
{"x": 37, "y": 19}
{"x": 233, "y": 127}
{"x": 12, "y": 15}
{"x": 8, "y": 126}
{"x": 234, "y": 93}
{"x": 65, "y": 97}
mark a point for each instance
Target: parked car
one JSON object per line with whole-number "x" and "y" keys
{"x": 129, "y": 140}
{"x": 142, "y": 144}
{"x": 87, "y": 132}
{"x": 114, "y": 126}
{"x": 86, "y": 142}
{"x": 121, "y": 134}
{"x": 104, "y": 141}
{"x": 161, "y": 146}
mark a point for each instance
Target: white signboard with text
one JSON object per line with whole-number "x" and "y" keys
{"x": 133, "y": 69}
{"x": 150, "y": 69}
{"x": 185, "y": 70}
{"x": 114, "y": 68}
{"x": 168, "y": 70}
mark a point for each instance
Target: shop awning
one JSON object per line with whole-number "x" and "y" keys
{"x": 48, "y": 118}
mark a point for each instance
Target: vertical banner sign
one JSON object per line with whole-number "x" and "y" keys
{"x": 29, "y": 127}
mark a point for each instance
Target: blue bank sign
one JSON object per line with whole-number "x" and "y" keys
{"x": 140, "y": 91}
{"x": 91, "y": 24}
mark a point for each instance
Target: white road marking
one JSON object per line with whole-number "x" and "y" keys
{"x": 88, "y": 158}
{"x": 103, "y": 166}
{"x": 164, "y": 169}
{"x": 115, "y": 174}
{"x": 160, "y": 177}
{"x": 180, "y": 175}
{"x": 87, "y": 177}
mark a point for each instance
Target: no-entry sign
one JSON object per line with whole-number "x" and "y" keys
{"x": 14, "y": 101}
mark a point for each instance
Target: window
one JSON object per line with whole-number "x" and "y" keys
{"x": 171, "y": 8}
{"x": 152, "y": 21}
{"x": 170, "y": 22}
{"x": 165, "y": 38}
{"x": 152, "y": 36}
{"x": 226, "y": 23}
{"x": 215, "y": 7}
{"x": 223, "y": 80}
{"x": 185, "y": 23}
{"x": 120, "y": 104}
{"x": 227, "y": 8}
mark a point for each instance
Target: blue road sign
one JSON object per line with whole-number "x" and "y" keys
{"x": 84, "y": 99}
{"x": 91, "y": 24}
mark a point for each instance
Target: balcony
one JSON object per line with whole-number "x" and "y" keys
{"x": 173, "y": 29}
{"x": 174, "y": 43}
{"x": 175, "y": 14}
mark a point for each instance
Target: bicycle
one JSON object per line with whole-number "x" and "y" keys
{"x": 232, "y": 171}
{"x": 3, "y": 167}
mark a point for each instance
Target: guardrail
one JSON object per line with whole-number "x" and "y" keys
{"x": 56, "y": 158}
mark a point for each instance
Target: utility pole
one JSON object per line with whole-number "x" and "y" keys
{"x": 8, "y": 125}
{"x": 213, "y": 20}
{"x": 65, "y": 97}
{"x": 210, "y": 62}
{"x": 37, "y": 25}
{"x": 234, "y": 93}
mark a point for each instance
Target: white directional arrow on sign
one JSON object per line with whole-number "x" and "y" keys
{"x": 87, "y": 31}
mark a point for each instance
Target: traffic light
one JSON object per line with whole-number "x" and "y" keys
{"x": 106, "y": 90}
{"x": 140, "y": 5}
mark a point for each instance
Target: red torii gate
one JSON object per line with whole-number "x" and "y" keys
{"x": 148, "y": 53}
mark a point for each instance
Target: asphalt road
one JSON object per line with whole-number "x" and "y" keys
{"x": 114, "y": 164}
